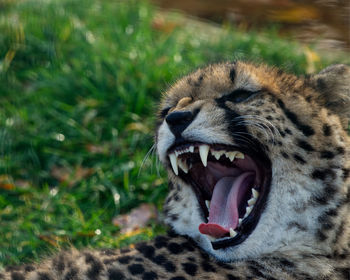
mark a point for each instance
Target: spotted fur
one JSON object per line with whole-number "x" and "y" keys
{"x": 304, "y": 229}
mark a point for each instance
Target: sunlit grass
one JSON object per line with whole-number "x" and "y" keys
{"x": 79, "y": 85}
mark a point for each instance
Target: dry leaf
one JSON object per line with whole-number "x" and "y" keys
{"x": 137, "y": 126}
{"x": 136, "y": 219}
{"x": 6, "y": 183}
{"x": 159, "y": 23}
{"x": 70, "y": 176}
{"x": 103, "y": 149}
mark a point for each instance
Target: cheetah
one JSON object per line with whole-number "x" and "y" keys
{"x": 258, "y": 164}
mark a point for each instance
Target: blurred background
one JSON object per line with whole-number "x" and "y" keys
{"x": 79, "y": 86}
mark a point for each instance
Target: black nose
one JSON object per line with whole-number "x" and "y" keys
{"x": 178, "y": 121}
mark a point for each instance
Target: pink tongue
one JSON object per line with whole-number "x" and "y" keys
{"x": 223, "y": 214}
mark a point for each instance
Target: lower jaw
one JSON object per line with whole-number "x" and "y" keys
{"x": 249, "y": 223}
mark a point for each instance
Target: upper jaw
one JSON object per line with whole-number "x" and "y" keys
{"x": 203, "y": 165}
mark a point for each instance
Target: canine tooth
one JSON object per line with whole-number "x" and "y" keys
{"x": 255, "y": 193}
{"x": 240, "y": 221}
{"x": 203, "y": 152}
{"x": 211, "y": 238}
{"x": 183, "y": 165}
{"x": 207, "y": 203}
{"x": 251, "y": 201}
{"x": 248, "y": 210}
{"x": 239, "y": 155}
{"x": 173, "y": 161}
{"x": 191, "y": 149}
{"x": 231, "y": 155}
{"x": 232, "y": 233}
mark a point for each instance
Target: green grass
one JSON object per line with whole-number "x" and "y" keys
{"x": 79, "y": 85}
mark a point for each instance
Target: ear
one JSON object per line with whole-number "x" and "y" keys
{"x": 333, "y": 84}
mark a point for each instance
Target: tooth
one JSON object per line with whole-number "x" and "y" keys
{"x": 240, "y": 155}
{"x": 173, "y": 161}
{"x": 191, "y": 149}
{"x": 240, "y": 221}
{"x": 183, "y": 165}
{"x": 177, "y": 153}
{"x": 211, "y": 238}
{"x": 251, "y": 201}
{"x": 248, "y": 210}
{"x": 217, "y": 154}
{"x": 207, "y": 203}
{"x": 255, "y": 193}
{"x": 232, "y": 233}
{"x": 231, "y": 155}
{"x": 203, "y": 152}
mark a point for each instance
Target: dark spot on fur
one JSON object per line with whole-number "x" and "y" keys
{"x": 187, "y": 245}
{"x": 346, "y": 173}
{"x": 169, "y": 266}
{"x": 255, "y": 271}
{"x": 320, "y": 235}
{"x": 96, "y": 266}
{"x": 321, "y": 84}
{"x": 327, "y": 131}
{"x": 124, "y": 259}
{"x": 305, "y": 145}
{"x": 115, "y": 274}
{"x": 161, "y": 241}
{"x": 58, "y": 263}
{"x": 331, "y": 212}
{"x": 297, "y": 225}
{"x": 340, "y": 150}
{"x": 323, "y": 174}
{"x": 232, "y": 74}
{"x": 327, "y": 154}
{"x": 172, "y": 234}
{"x": 125, "y": 250}
{"x": 160, "y": 259}
{"x": 231, "y": 277}
{"x": 287, "y": 263}
{"x": 178, "y": 278}
{"x": 344, "y": 272}
{"x": 206, "y": 266}
{"x": 149, "y": 276}
{"x": 282, "y": 133}
{"x": 305, "y": 129}
{"x": 174, "y": 248}
{"x": 146, "y": 250}
{"x": 29, "y": 268}
{"x": 173, "y": 217}
{"x": 308, "y": 98}
{"x": 288, "y": 131}
{"x": 71, "y": 274}
{"x": 190, "y": 268}
{"x": 44, "y": 276}
{"x": 339, "y": 232}
{"x": 136, "y": 269}
{"x": 325, "y": 222}
{"x": 299, "y": 159}
{"x": 17, "y": 276}
{"x": 285, "y": 155}
{"x": 225, "y": 265}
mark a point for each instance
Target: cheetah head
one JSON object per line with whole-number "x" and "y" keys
{"x": 258, "y": 160}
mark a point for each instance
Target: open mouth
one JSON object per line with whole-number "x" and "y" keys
{"x": 231, "y": 185}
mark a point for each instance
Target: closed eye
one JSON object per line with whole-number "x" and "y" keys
{"x": 240, "y": 95}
